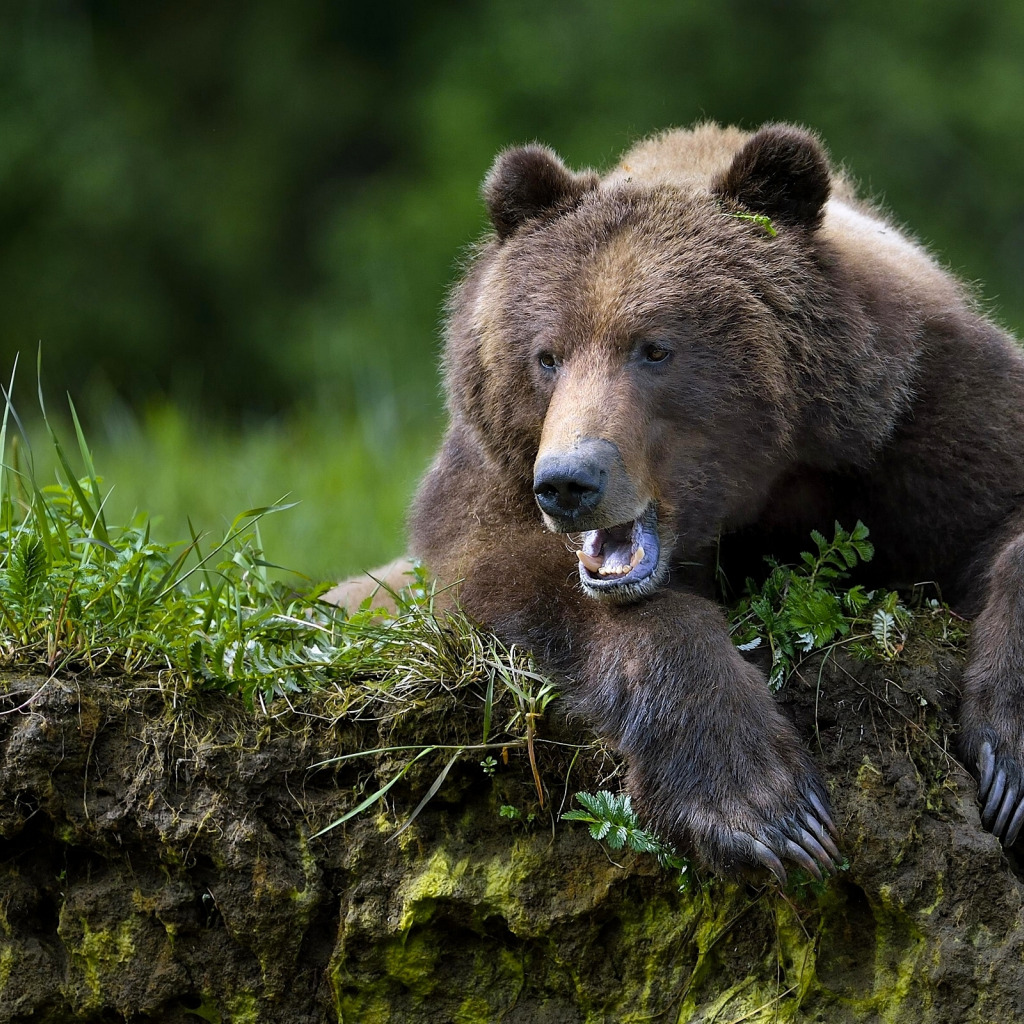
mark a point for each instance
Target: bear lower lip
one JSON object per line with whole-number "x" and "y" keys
{"x": 620, "y": 555}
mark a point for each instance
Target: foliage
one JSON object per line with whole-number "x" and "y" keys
{"x": 761, "y": 220}
{"x": 803, "y": 608}
{"x": 80, "y": 592}
{"x": 889, "y": 624}
{"x": 249, "y": 206}
{"x": 611, "y": 819}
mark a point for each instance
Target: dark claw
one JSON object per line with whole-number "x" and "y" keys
{"x": 769, "y": 860}
{"x": 821, "y": 834}
{"x": 814, "y": 848}
{"x": 800, "y": 856}
{"x": 1014, "y": 827}
{"x": 995, "y": 798}
{"x": 822, "y": 812}
{"x": 1006, "y": 811}
{"x": 987, "y": 764}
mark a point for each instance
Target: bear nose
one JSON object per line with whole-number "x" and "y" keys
{"x": 567, "y": 486}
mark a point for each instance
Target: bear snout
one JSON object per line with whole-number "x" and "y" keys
{"x": 570, "y": 485}
{"x": 585, "y": 486}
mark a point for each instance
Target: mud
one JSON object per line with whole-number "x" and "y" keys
{"x": 157, "y": 863}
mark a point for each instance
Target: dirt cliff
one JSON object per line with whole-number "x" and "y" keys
{"x": 158, "y": 862}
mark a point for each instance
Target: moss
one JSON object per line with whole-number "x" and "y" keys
{"x": 439, "y": 878}
{"x": 7, "y": 955}
{"x": 940, "y": 895}
{"x": 366, "y": 1007}
{"x": 504, "y": 874}
{"x": 241, "y": 1008}
{"x": 717, "y": 915}
{"x": 98, "y": 957}
{"x": 868, "y": 776}
{"x": 306, "y": 897}
{"x": 474, "y": 1010}
{"x": 410, "y": 960}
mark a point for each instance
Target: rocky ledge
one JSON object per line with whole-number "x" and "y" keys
{"x": 159, "y": 862}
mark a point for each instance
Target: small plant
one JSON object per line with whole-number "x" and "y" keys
{"x": 890, "y": 622}
{"x": 513, "y": 813}
{"x": 760, "y": 219}
{"x": 611, "y": 819}
{"x": 803, "y": 608}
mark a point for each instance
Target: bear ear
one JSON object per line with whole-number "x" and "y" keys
{"x": 530, "y": 182}
{"x": 782, "y": 172}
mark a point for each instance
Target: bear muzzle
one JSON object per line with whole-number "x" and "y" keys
{"x": 569, "y": 486}
{"x": 584, "y": 487}
{"x": 586, "y": 490}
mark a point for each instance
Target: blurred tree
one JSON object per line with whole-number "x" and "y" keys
{"x": 253, "y": 205}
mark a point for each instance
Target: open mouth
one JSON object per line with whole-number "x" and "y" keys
{"x": 620, "y": 555}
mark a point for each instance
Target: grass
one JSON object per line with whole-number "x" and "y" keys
{"x": 351, "y": 482}
{"x": 89, "y": 583}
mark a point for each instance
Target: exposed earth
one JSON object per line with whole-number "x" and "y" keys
{"x": 157, "y": 863}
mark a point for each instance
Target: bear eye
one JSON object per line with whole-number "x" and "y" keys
{"x": 547, "y": 360}
{"x": 656, "y": 353}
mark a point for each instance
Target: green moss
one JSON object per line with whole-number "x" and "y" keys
{"x": 242, "y": 1008}
{"x": 98, "y": 957}
{"x": 6, "y": 963}
{"x": 410, "y": 960}
{"x": 504, "y": 874}
{"x": 306, "y": 897}
{"x": 439, "y": 878}
{"x": 368, "y": 1007}
{"x": 868, "y": 776}
{"x": 474, "y": 1010}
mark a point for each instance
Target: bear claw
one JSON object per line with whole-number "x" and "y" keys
{"x": 1000, "y": 793}
{"x": 769, "y": 860}
{"x": 800, "y": 856}
{"x": 987, "y": 764}
{"x": 822, "y": 812}
{"x": 820, "y": 833}
{"x": 1013, "y": 829}
{"x": 802, "y": 840}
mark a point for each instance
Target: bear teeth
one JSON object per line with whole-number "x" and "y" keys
{"x": 596, "y": 565}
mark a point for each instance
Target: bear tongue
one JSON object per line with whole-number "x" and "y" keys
{"x": 611, "y": 552}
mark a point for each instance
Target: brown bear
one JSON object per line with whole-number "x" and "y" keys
{"x": 716, "y": 348}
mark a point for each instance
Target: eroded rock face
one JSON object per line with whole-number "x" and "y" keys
{"x": 156, "y": 864}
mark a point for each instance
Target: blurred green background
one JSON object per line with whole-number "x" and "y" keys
{"x": 231, "y": 226}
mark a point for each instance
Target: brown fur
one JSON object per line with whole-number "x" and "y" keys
{"x": 648, "y": 334}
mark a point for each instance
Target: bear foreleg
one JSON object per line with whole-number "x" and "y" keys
{"x": 992, "y": 717}
{"x": 712, "y": 762}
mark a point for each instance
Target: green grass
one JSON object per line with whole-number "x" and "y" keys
{"x": 351, "y": 484}
{"x": 84, "y": 590}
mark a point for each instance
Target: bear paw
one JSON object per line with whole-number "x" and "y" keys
{"x": 764, "y": 826}
{"x": 1001, "y": 791}
{"x": 805, "y": 837}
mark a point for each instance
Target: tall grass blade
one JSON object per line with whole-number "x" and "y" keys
{"x": 430, "y": 793}
{"x": 100, "y": 525}
{"x": 373, "y": 797}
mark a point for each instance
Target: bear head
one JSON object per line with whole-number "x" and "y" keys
{"x": 639, "y": 356}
